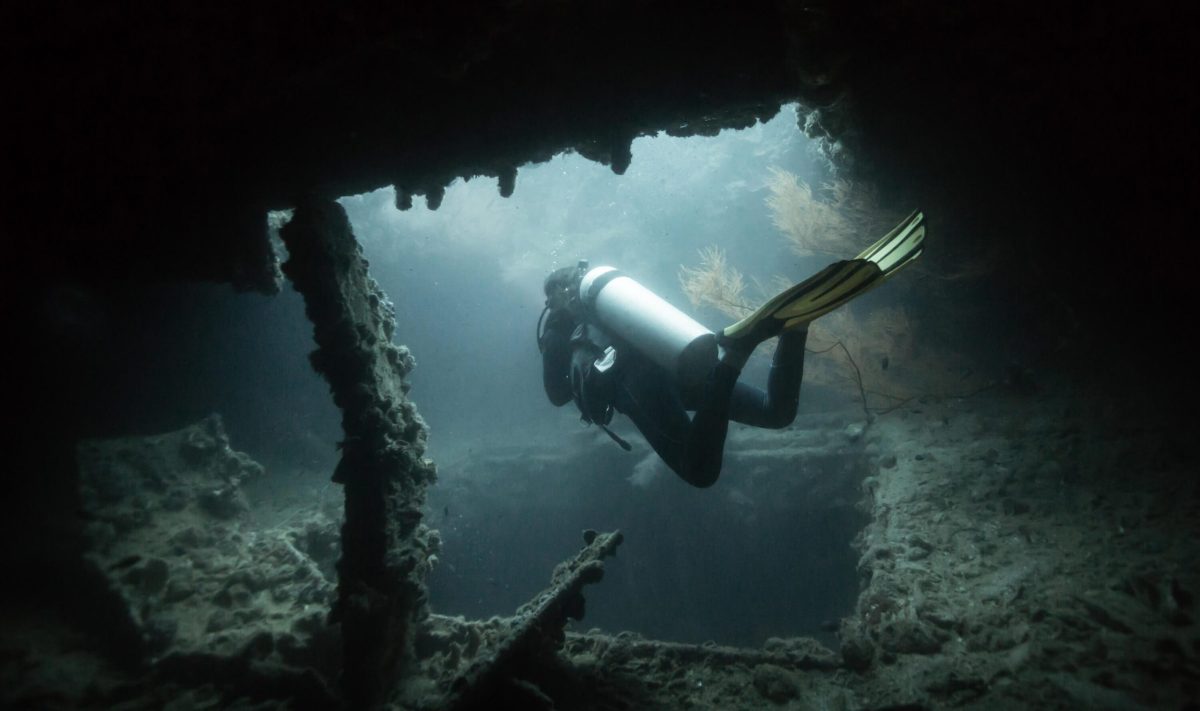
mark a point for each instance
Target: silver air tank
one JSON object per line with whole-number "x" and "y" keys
{"x": 662, "y": 332}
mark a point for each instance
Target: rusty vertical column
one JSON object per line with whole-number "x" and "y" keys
{"x": 385, "y": 548}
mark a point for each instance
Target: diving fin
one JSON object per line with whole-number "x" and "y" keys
{"x": 833, "y": 286}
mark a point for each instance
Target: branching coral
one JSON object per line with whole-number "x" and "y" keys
{"x": 715, "y": 284}
{"x": 863, "y": 351}
{"x": 872, "y": 352}
{"x": 835, "y": 226}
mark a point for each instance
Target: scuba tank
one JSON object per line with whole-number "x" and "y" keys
{"x": 660, "y": 331}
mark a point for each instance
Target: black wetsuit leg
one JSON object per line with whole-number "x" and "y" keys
{"x": 694, "y": 447}
{"x": 776, "y": 407}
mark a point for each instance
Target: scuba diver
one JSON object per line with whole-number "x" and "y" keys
{"x": 612, "y": 345}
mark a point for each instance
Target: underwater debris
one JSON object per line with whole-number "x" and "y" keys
{"x": 386, "y": 551}
{"x": 205, "y": 593}
{"x": 537, "y": 628}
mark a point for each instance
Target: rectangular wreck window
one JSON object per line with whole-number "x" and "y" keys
{"x": 690, "y": 218}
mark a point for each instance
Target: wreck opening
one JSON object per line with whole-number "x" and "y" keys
{"x": 519, "y": 478}
{"x": 768, "y": 554}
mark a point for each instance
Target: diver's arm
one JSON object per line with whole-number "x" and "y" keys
{"x": 556, "y": 357}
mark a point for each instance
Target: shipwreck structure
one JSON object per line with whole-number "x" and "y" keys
{"x": 150, "y": 148}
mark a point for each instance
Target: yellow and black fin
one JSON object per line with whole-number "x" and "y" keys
{"x": 833, "y": 286}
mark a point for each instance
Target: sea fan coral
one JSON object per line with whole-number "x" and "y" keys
{"x": 871, "y": 351}
{"x": 835, "y": 226}
{"x": 715, "y": 284}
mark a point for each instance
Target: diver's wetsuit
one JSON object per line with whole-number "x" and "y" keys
{"x": 648, "y": 394}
